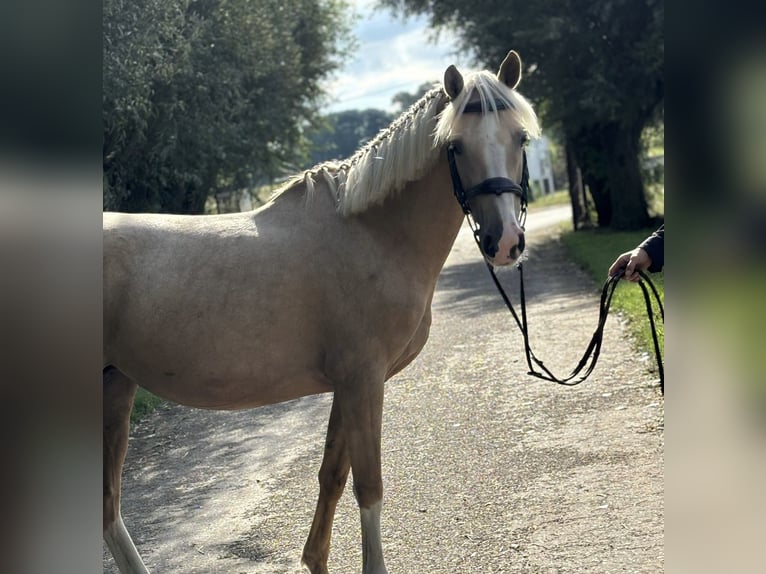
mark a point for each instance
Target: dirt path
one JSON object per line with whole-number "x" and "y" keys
{"x": 485, "y": 469}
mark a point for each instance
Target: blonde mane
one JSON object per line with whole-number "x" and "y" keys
{"x": 410, "y": 146}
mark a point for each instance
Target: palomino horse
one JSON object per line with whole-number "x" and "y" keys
{"x": 327, "y": 288}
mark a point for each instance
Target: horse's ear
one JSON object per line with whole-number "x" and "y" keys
{"x": 510, "y": 70}
{"x": 453, "y": 82}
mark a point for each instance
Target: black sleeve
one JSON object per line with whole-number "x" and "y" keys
{"x": 654, "y": 245}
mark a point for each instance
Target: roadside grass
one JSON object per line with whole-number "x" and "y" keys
{"x": 559, "y": 197}
{"x": 595, "y": 250}
{"x": 143, "y": 404}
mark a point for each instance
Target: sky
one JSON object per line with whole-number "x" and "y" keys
{"x": 393, "y": 55}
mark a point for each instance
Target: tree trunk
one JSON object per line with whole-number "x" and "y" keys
{"x": 609, "y": 156}
{"x": 194, "y": 201}
{"x": 601, "y": 199}
{"x": 580, "y": 215}
{"x": 624, "y": 181}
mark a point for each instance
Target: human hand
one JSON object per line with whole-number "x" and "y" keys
{"x": 631, "y": 262}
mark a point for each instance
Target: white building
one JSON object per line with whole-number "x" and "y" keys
{"x": 540, "y": 169}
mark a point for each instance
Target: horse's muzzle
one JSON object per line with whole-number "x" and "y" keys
{"x": 502, "y": 248}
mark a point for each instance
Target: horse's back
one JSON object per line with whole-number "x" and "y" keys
{"x": 144, "y": 254}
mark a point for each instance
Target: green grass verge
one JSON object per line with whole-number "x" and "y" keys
{"x": 144, "y": 403}
{"x": 595, "y": 250}
{"x": 560, "y": 197}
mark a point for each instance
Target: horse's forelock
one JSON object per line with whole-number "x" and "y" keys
{"x": 490, "y": 90}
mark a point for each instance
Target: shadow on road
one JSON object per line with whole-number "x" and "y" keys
{"x": 549, "y": 275}
{"x": 184, "y": 463}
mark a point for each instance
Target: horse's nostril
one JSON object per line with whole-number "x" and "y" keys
{"x": 489, "y": 245}
{"x": 517, "y": 249}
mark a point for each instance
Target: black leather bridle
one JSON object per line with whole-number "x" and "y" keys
{"x": 500, "y": 185}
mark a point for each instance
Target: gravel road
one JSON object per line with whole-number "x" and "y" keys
{"x": 486, "y": 470}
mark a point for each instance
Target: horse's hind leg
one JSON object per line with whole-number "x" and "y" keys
{"x": 332, "y": 479}
{"x": 118, "y": 401}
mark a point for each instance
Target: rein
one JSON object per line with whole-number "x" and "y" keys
{"x": 589, "y": 359}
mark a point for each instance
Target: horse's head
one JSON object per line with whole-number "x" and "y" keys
{"x": 486, "y": 127}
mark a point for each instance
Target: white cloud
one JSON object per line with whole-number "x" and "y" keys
{"x": 393, "y": 55}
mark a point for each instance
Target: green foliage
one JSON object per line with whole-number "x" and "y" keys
{"x": 590, "y": 60}
{"x": 596, "y": 67}
{"x": 595, "y": 250}
{"x": 560, "y": 197}
{"x": 653, "y": 139}
{"x": 143, "y": 404}
{"x": 404, "y": 100}
{"x": 205, "y": 95}
{"x": 342, "y": 133}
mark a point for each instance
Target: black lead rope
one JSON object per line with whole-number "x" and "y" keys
{"x": 590, "y": 357}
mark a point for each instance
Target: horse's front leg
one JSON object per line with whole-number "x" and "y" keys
{"x": 361, "y": 407}
{"x": 332, "y": 480}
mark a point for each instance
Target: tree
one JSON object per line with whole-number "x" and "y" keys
{"x": 596, "y": 64}
{"x": 207, "y": 95}
{"x": 345, "y": 132}
{"x": 342, "y": 133}
{"x": 404, "y": 100}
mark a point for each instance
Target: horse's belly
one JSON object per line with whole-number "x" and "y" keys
{"x": 231, "y": 392}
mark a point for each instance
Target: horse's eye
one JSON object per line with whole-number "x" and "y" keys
{"x": 457, "y": 147}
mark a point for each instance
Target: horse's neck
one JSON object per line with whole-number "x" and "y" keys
{"x": 424, "y": 219}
